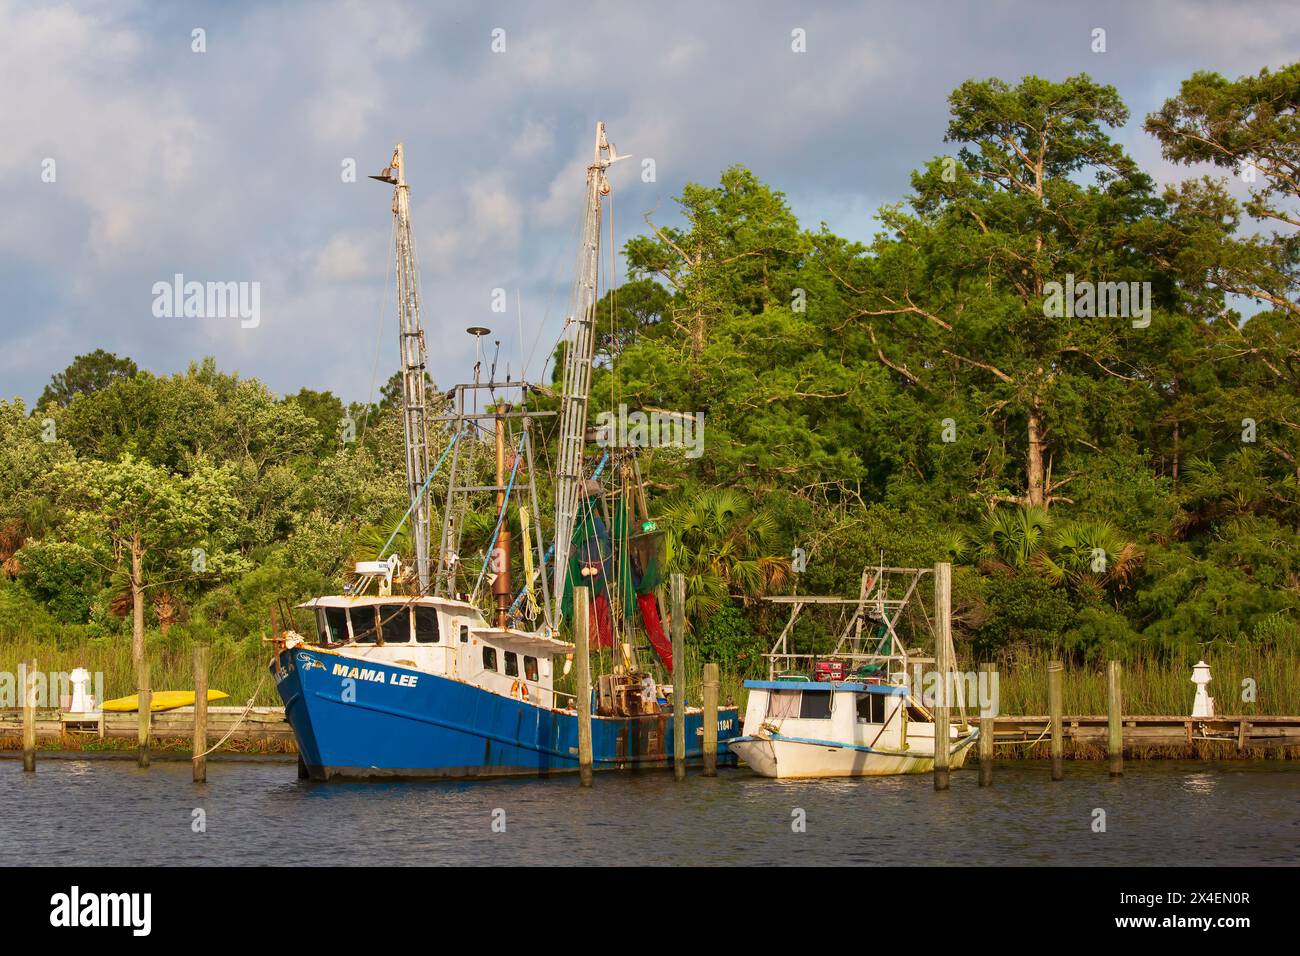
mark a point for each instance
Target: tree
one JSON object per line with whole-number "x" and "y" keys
{"x": 746, "y": 333}
{"x": 1250, "y": 126}
{"x": 1087, "y": 555}
{"x": 30, "y": 447}
{"x": 957, "y": 303}
{"x": 326, "y": 410}
{"x": 87, "y": 373}
{"x": 720, "y": 544}
{"x": 155, "y": 526}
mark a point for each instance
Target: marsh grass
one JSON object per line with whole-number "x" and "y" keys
{"x": 236, "y": 667}
{"x": 1163, "y": 688}
{"x": 1152, "y": 688}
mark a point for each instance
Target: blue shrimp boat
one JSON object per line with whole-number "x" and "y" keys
{"x": 447, "y": 696}
{"x": 408, "y": 675}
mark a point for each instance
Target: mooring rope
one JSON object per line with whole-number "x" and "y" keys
{"x": 239, "y": 721}
{"x": 1015, "y": 743}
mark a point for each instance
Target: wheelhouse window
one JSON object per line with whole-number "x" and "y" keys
{"x": 816, "y": 706}
{"x": 464, "y": 633}
{"x": 395, "y": 620}
{"x": 871, "y": 708}
{"x": 512, "y": 664}
{"x": 334, "y": 625}
{"x": 426, "y": 625}
{"x": 363, "y": 624}
{"x": 530, "y": 668}
{"x": 490, "y": 659}
{"x": 783, "y": 703}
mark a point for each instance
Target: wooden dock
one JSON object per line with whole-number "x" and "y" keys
{"x": 1245, "y": 731}
{"x": 262, "y": 729}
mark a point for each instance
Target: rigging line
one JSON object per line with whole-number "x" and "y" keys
{"x": 425, "y": 487}
{"x": 574, "y": 233}
{"x": 550, "y": 550}
{"x": 374, "y": 366}
{"x": 519, "y": 450}
{"x": 519, "y": 314}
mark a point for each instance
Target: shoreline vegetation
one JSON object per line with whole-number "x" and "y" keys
{"x": 1148, "y": 689}
{"x": 1272, "y": 679}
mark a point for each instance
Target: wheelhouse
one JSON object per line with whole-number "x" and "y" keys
{"x": 441, "y": 636}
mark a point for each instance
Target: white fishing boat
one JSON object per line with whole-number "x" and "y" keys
{"x": 858, "y": 711}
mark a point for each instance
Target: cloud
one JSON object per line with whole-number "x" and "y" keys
{"x": 348, "y": 258}
{"x": 226, "y": 165}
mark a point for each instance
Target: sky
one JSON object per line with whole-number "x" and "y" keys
{"x": 128, "y": 156}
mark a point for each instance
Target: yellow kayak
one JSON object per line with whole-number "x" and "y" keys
{"x": 162, "y": 700}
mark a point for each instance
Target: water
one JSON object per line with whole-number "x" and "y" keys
{"x": 1160, "y": 813}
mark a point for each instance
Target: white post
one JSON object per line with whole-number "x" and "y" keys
{"x": 1203, "y": 705}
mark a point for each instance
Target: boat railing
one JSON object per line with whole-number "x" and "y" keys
{"x": 892, "y": 663}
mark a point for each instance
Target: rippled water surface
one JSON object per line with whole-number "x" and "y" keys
{"x": 1159, "y": 813}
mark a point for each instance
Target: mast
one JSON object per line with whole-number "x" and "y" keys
{"x": 577, "y": 362}
{"x": 414, "y": 412}
{"x": 501, "y": 591}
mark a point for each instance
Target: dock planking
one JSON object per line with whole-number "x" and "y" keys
{"x": 261, "y": 727}
{"x": 1246, "y": 731}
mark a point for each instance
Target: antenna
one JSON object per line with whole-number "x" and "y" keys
{"x": 478, "y": 331}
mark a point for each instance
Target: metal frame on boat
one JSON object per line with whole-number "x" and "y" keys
{"x": 851, "y": 711}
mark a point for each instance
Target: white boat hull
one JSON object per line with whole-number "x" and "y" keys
{"x": 794, "y": 760}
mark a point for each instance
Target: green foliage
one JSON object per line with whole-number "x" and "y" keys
{"x": 718, "y": 542}
{"x": 728, "y": 639}
{"x": 1023, "y": 609}
{"x": 242, "y": 608}
{"x": 62, "y": 576}
{"x": 87, "y": 373}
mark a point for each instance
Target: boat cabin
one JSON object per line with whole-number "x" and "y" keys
{"x": 840, "y": 714}
{"x": 441, "y": 636}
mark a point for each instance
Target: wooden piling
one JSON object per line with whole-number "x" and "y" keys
{"x": 987, "y": 724}
{"x": 200, "y": 714}
{"x": 1114, "y": 720}
{"x": 942, "y": 641}
{"x": 679, "y": 676}
{"x": 710, "y": 718}
{"x": 144, "y": 700}
{"x": 1055, "y": 672}
{"x": 582, "y": 657}
{"x": 29, "y": 716}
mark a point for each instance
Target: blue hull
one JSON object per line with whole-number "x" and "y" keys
{"x": 399, "y": 722}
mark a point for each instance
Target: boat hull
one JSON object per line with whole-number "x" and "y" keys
{"x": 396, "y": 722}
{"x": 788, "y": 758}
